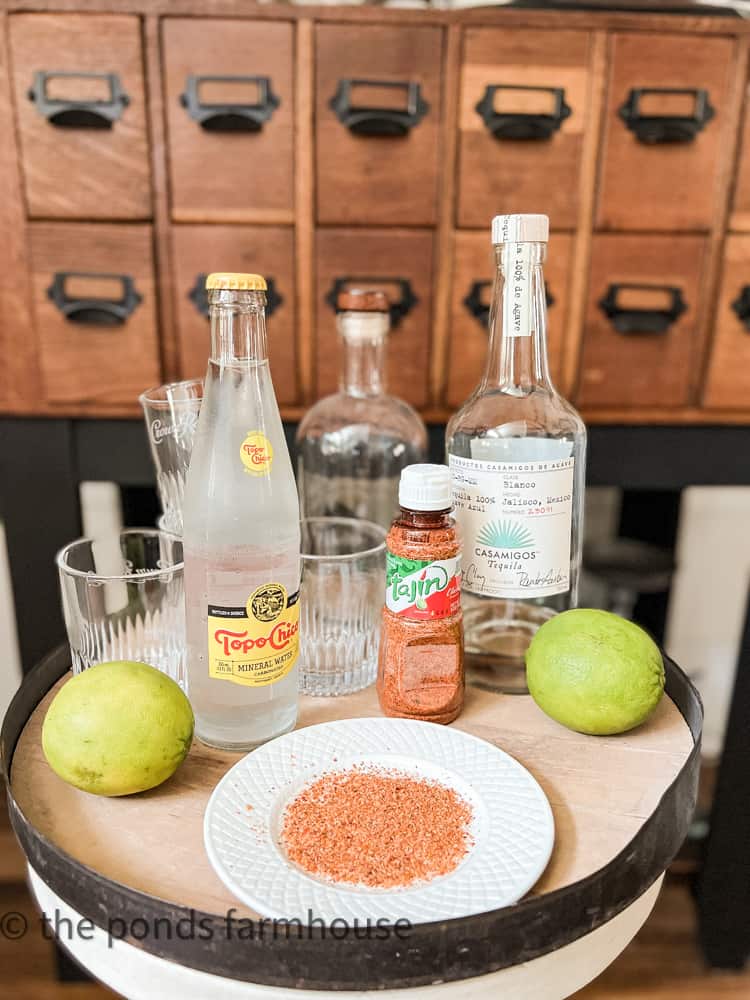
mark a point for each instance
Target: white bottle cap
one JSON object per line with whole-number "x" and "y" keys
{"x": 425, "y": 487}
{"x": 520, "y": 229}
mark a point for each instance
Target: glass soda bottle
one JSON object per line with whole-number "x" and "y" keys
{"x": 517, "y": 452}
{"x": 353, "y": 445}
{"x": 241, "y": 535}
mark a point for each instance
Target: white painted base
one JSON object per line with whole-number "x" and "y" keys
{"x": 137, "y": 975}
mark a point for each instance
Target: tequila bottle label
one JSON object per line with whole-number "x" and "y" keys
{"x": 516, "y": 521}
{"x": 517, "y": 293}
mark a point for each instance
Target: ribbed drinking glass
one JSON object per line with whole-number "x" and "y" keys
{"x": 123, "y": 599}
{"x": 343, "y": 582}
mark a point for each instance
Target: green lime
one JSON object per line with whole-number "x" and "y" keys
{"x": 421, "y": 604}
{"x": 594, "y": 672}
{"x": 117, "y": 728}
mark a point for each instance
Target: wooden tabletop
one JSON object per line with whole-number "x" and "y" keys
{"x": 601, "y": 789}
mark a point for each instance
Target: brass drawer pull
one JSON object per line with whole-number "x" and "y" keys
{"x": 398, "y": 308}
{"x": 523, "y": 124}
{"x": 373, "y": 120}
{"x": 199, "y": 297}
{"x": 476, "y": 302}
{"x": 629, "y": 318}
{"x": 230, "y": 117}
{"x": 652, "y": 129}
{"x": 741, "y": 306}
{"x": 92, "y": 310}
{"x": 63, "y": 112}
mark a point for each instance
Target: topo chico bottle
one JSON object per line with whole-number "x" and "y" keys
{"x": 517, "y": 454}
{"x": 241, "y": 535}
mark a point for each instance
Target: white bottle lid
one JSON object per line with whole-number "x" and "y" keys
{"x": 425, "y": 487}
{"x": 520, "y": 229}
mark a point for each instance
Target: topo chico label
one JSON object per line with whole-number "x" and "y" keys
{"x": 256, "y": 453}
{"x": 515, "y": 518}
{"x": 422, "y": 590}
{"x": 256, "y": 644}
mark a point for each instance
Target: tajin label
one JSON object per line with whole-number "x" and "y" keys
{"x": 515, "y": 519}
{"x": 258, "y": 643}
{"x": 422, "y": 590}
{"x": 256, "y": 453}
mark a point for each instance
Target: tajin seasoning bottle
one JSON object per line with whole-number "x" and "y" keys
{"x": 517, "y": 451}
{"x": 421, "y": 666}
{"x": 241, "y": 535}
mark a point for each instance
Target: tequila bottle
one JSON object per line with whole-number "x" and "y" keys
{"x": 517, "y": 454}
{"x": 352, "y": 446}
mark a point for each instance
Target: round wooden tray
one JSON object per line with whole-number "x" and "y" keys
{"x": 622, "y": 807}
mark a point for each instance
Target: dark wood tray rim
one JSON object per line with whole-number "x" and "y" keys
{"x": 443, "y": 951}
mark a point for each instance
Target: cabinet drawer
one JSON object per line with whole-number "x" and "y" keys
{"x": 728, "y": 377}
{"x": 524, "y": 108}
{"x": 199, "y": 250}
{"x": 640, "y": 336}
{"x": 230, "y": 117}
{"x": 78, "y": 82}
{"x": 398, "y": 261}
{"x": 378, "y": 110}
{"x": 664, "y": 126}
{"x": 740, "y": 217}
{"x": 473, "y": 272}
{"x": 95, "y": 311}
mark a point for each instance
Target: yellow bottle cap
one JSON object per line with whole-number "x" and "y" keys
{"x": 239, "y": 282}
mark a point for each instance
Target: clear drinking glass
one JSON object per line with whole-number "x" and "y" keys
{"x": 343, "y": 587}
{"x": 123, "y": 598}
{"x": 171, "y": 413}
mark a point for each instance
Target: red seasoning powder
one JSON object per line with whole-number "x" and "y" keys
{"x": 421, "y": 662}
{"x": 376, "y": 827}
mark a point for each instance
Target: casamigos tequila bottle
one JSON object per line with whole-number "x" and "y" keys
{"x": 517, "y": 454}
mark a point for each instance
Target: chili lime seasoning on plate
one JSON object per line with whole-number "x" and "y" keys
{"x": 421, "y": 667}
{"x": 377, "y": 827}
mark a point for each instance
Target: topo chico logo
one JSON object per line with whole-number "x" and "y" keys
{"x": 267, "y": 602}
{"x": 277, "y": 639}
{"x": 256, "y": 453}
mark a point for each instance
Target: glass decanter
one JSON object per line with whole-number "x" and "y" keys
{"x": 352, "y": 446}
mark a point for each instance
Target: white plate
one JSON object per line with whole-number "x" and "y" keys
{"x": 512, "y": 826}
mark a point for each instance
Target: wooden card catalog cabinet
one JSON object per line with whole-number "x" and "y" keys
{"x": 326, "y": 147}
